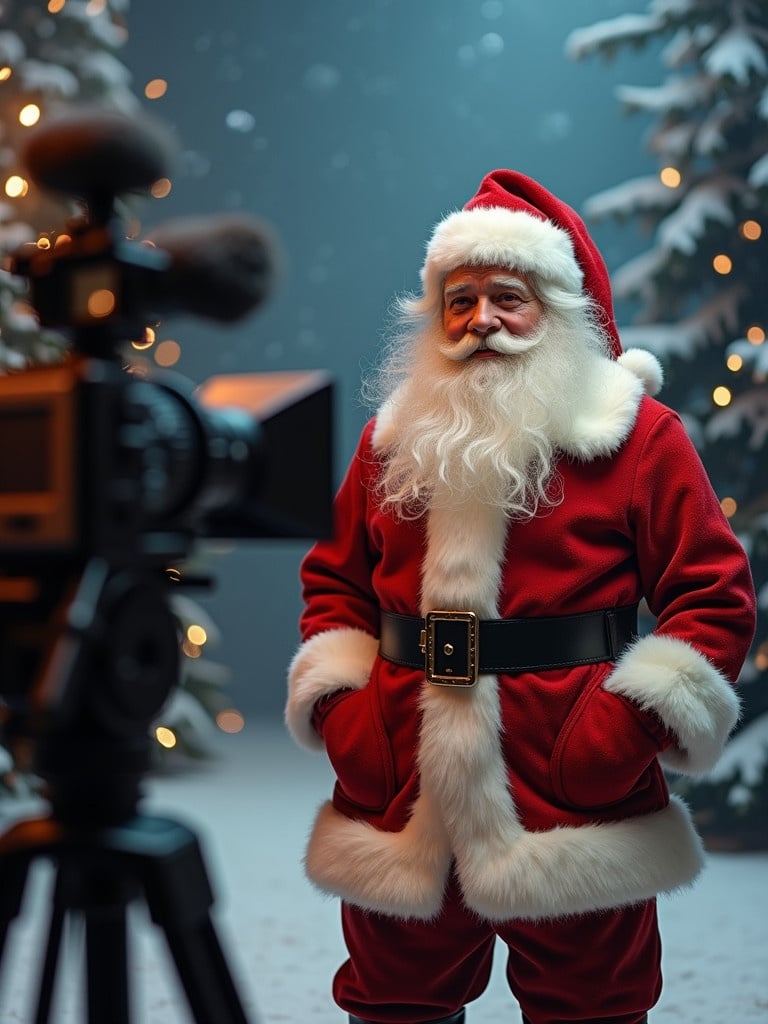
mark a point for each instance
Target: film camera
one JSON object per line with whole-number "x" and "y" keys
{"x": 107, "y": 477}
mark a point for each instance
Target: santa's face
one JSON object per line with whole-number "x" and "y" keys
{"x": 489, "y": 312}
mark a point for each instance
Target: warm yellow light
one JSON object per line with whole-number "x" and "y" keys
{"x": 755, "y": 335}
{"x": 734, "y": 362}
{"x": 723, "y": 264}
{"x": 54, "y": 6}
{"x": 729, "y": 506}
{"x": 16, "y": 186}
{"x": 161, "y": 188}
{"x": 670, "y": 176}
{"x": 5, "y": 73}
{"x": 165, "y": 737}
{"x": 156, "y": 88}
{"x": 197, "y": 635}
{"x": 43, "y": 242}
{"x": 101, "y": 303}
{"x": 722, "y": 396}
{"x": 751, "y": 230}
{"x": 761, "y": 658}
{"x": 167, "y": 353}
{"x": 29, "y": 115}
{"x": 230, "y": 720}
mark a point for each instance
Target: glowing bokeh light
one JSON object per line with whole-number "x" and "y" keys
{"x": 751, "y": 230}
{"x": 165, "y": 737}
{"x": 29, "y": 115}
{"x": 16, "y": 186}
{"x": 161, "y": 188}
{"x": 722, "y": 396}
{"x": 197, "y": 635}
{"x": 729, "y": 507}
{"x": 156, "y": 88}
{"x": 230, "y": 721}
{"x": 101, "y": 303}
{"x": 167, "y": 353}
{"x": 670, "y": 176}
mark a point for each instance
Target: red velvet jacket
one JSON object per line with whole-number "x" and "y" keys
{"x": 543, "y": 790}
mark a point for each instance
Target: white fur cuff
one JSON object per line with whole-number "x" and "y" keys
{"x": 671, "y": 678}
{"x": 327, "y": 662}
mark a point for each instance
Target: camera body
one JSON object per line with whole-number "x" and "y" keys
{"x": 96, "y": 461}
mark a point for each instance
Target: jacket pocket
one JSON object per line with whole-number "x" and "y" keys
{"x": 358, "y": 749}
{"x": 606, "y": 752}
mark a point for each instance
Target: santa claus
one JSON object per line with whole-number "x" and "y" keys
{"x": 470, "y": 659}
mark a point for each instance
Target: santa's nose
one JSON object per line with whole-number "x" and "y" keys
{"x": 484, "y": 319}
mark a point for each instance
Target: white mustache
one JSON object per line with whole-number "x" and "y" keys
{"x": 502, "y": 341}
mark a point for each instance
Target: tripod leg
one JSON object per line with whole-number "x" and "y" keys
{"x": 179, "y": 898}
{"x": 204, "y": 974}
{"x": 48, "y": 974}
{"x": 106, "y": 949}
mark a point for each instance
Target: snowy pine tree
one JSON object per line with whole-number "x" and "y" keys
{"x": 699, "y": 296}
{"x": 51, "y": 55}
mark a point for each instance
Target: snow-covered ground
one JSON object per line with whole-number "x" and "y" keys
{"x": 252, "y": 808}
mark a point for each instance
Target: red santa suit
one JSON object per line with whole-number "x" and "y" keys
{"x": 532, "y": 804}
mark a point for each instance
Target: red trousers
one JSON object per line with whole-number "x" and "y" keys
{"x": 603, "y": 966}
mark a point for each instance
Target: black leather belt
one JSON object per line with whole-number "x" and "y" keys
{"x": 454, "y": 647}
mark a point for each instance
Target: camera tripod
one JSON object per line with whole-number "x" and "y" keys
{"x": 106, "y": 854}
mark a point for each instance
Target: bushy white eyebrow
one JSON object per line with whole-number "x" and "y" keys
{"x": 497, "y": 282}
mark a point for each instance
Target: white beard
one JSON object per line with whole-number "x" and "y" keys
{"x": 483, "y": 430}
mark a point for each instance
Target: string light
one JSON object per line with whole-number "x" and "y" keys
{"x": 723, "y": 264}
{"x": 230, "y": 720}
{"x": 54, "y": 6}
{"x": 670, "y": 176}
{"x": 29, "y": 115}
{"x": 722, "y": 396}
{"x": 729, "y": 507}
{"x": 5, "y": 73}
{"x": 101, "y": 303}
{"x": 16, "y": 186}
{"x": 755, "y": 335}
{"x": 734, "y": 362}
{"x": 197, "y": 635}
{"x": 751, "y": 230}
{"x": 161, "y": 188}
{"x": 191, "y": 650}
{"x": 165, "y": 737}
{"x": 156, "y": 88}
{"x": 167, "y": 353}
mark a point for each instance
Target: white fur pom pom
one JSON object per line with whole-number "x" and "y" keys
{"x": 644, "y": 365}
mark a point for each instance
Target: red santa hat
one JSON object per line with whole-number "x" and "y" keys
{"x": 513, "y": 221}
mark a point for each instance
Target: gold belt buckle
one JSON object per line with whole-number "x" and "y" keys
{"x": 450, "y": 649}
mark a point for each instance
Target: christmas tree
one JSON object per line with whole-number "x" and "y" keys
{"x": 53, "y": 56}
{"x": 697, "y": 296}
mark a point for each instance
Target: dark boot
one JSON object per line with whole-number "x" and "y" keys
{"x": 455, "y": 1018}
